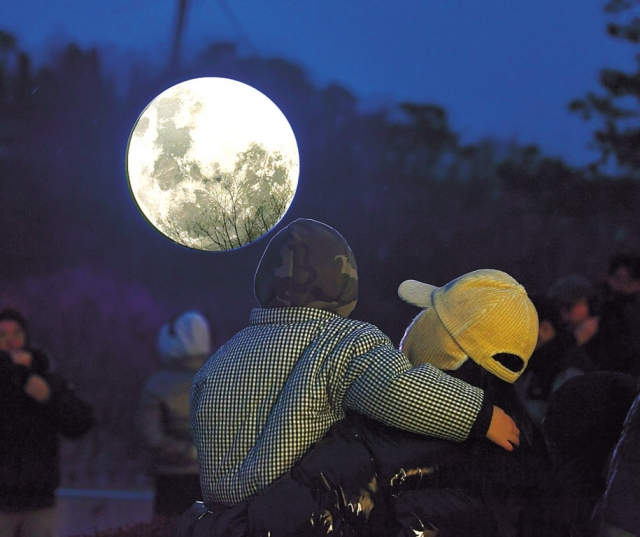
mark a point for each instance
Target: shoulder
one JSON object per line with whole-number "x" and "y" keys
{"x": 354, "y": 337}
{"x": 359, "y": 328}
{"x": 368, "y": 334}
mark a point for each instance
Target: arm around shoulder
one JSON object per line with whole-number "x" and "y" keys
{"x": 423, "y": 399}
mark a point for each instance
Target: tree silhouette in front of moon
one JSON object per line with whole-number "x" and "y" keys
{"x": 231, "y": 210}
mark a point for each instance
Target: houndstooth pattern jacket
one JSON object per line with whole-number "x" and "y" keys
{"x": 276, "y": 387}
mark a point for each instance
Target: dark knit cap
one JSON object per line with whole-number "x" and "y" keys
{"x": 567, "y": 290}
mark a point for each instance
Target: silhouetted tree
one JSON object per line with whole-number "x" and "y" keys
{"x": 618, "y": 136}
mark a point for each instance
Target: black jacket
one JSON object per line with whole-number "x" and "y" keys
{"x": 30, "y": 433}
{"x": 469, "y": 488}
{"x": 582, "y": 425}
{"x": 406, "y": 482}
{"x": 619, "y": 506}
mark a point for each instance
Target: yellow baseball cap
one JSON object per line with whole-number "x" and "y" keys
{"x": 484, "y": 315}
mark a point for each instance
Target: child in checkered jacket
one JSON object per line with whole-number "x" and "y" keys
{"x": 275, "y": 388}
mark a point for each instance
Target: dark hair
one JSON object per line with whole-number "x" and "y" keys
{"x": 567, "y": 290}
{"x": 10, "y": 314}
{"x": 629, "y": 261}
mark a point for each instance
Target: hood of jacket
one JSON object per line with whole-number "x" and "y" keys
{"x": 308, "y": 264}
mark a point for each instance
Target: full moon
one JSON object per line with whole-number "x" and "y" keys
{"x": 212, "y": 164}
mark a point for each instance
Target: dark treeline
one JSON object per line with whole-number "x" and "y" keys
{"x": 97, "y": 281}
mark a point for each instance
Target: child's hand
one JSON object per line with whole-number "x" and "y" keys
{"x": 503, "y": 430}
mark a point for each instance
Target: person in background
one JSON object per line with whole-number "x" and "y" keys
{"x": 549, "y": 356}
{"x": 623, "y": 275}
{"x": 184, "y": 343}
{"x": 619, "y": 330}
{"x": 36, "y": 406}
{"x": 575, "y": 299}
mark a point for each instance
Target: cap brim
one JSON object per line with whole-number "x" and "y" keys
{"x": 416, "y": 293}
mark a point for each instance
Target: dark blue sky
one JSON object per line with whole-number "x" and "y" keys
{"x": 500, "y": 68}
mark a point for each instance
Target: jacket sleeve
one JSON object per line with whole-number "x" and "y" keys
{"x": 72, "y": 416}
{"x": 622, "y": 496}
{"x": 381, "y": 383}
{"x": 150, "y": 424}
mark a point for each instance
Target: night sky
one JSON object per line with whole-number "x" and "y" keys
{"x": 500, "y": 68}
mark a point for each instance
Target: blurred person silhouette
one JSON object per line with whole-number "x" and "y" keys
{"x": 582, "y": 425}
{"x": 37, "y": 406}
{"x": 623, "y": 276}
{"x": 276, "y": 387}
{"x": 618, "y": 512}
{"x": 184, "y": 344}
{"x": 619, "y": 332}
{"x": 575, "y": 299}
{"x": 548, "y": 358}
